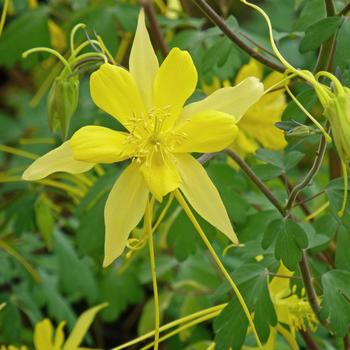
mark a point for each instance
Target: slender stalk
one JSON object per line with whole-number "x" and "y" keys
{"x": 149, "y": 233}
{"x": 204, "y": 238}
{"x": 164, "y": 211}
{"x": 309, "y": 340}
{"x": 309, "y": 288}
{"x": 247, "y": 169}
{"x": 3, "y": 15}
{"x": 345, "y": 10}
{"x": 151, "y": 15}
{"x": 175, "y": 323}
{"x": 182, "y": 328}
{"x": 310, "y": 175}
{"x": 219, "y": 22}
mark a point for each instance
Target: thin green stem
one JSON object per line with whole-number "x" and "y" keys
{"x": 310, "y": 175}
{"x": 220, "y": 23}
{"x": 72, "y": 36}
{"x": 149, "y": 233}
{"x": 164, "y": 211}
{"x": 172, "y": 324}
{"x": 204, "y": 238}
{"x": 51, "y": 51}
{"x": 182, "y": 328}
{"x": 346, "y": 187}
{"x": 3, "y": 15}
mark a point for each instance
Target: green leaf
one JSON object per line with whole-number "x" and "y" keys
{"x": 336, "y": 300}
{"x": 44, "y": 220}
{"x": 231, "y": 325}
{"x": 342, "y": 50}
{"x": 312, "y": 12}
{"x": 289, "y": 239}
{"x": 28, "y": 30}
{"x": 77, "y": 284}
{"x": 319, "y": 32}
{"x": 342, "y": 256}
{"x": 146, "y": 322}
{"x": 335, "y": 194}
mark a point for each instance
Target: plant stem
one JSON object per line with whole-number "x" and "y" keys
{"x": 149, "y": 233}
{"x": 262, "y": 187}
{"x": 309, "y": 288}
{"x": 345, "y": 10}
{"x": 308, "y": 339}
{"x": 151, "y": 15}
{"x": 182, "y": 328}
{"x": 198, "y": 228}
{"x": 172, "y": 324}
{"x": 310, "y": 175}
{"x": 219, "y": 22}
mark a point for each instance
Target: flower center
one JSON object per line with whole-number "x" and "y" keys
{"x": 147, "y": 135}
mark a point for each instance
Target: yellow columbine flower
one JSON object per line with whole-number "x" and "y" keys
{"x": 291, "y": 310}
{"x": 257, "y": 127}
{"x": 45, "y": 338}
{"x": 149, "y": 102}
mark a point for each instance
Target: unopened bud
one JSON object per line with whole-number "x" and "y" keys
{"x": 62, "y": 103}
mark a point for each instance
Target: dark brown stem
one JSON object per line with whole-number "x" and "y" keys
{"x": 330, "y": 9}
{"x": 309, "y": 288}
{"x": 309, "y": 340}
{"x": 345, "y": 10}
{"x": 156, "y": 30}
{"x": 262, "y": 187}
{"x": 346, "y": 342}
{"x": 220, "y": 23}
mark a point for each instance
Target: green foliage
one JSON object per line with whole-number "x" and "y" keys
{"x": 336, "y": 305}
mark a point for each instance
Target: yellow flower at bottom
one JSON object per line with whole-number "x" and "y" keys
{"x": 292, "y": 311}
{"x": 148, "y": 100}
{"x": 257, "y": 126}
{"x": 45, "y": 338}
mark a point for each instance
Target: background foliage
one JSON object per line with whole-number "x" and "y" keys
{"x": 51, "y": 237}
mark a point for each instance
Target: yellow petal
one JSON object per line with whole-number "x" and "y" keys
{"x": 161, "y": 175}
{"x": 59, "y": 159}
{"x": 124, "y": 209}
{"x": 97, "y": 144}
{"x": 251, "y": 69}
{"x": 143, "y": 62}
{"x": 113, "y": 89}
{"x": 231, "y": 100}
{"x": 43, "y": 335}
{"x": 259, "y": 121}
{"x": 59, "y": 336}
{"x": 279, "y": 287}
{"x": 209, "y": 131}
{"x": 81, "y": 327}
{"x": 203, "y": 195}
{"x": 174, "y": 83}
{"x": 243, "y": 145}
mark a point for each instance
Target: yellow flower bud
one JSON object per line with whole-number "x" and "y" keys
{"x": 62, "y": 103}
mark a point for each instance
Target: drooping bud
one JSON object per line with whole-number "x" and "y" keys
{"x": 337, "y": 112}
{"x": 62, "y": 102}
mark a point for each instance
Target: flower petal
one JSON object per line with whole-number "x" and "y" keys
{"x": 113, "y": 89}
{"x": 81, "y": 327}
{"x": 59, "y": 336}
{"x": 97, "y": 144}
{"x": 231, "y": 100}
{"x": 43, "y": 333}
{"x": 125, "y": 207}
{"x": 143, "y": 62}
{"x": 209, "y": 131}
{"x": 203, "y": 195}
{"x": 161, "y": 175}
{"x": 174, "y": 83}
{"x": 59, "y": 159}
{"x": 252, "y": 69}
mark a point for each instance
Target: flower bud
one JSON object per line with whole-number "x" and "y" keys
{"x": 62, "y": 102}
{"x": 337, "y": 112}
